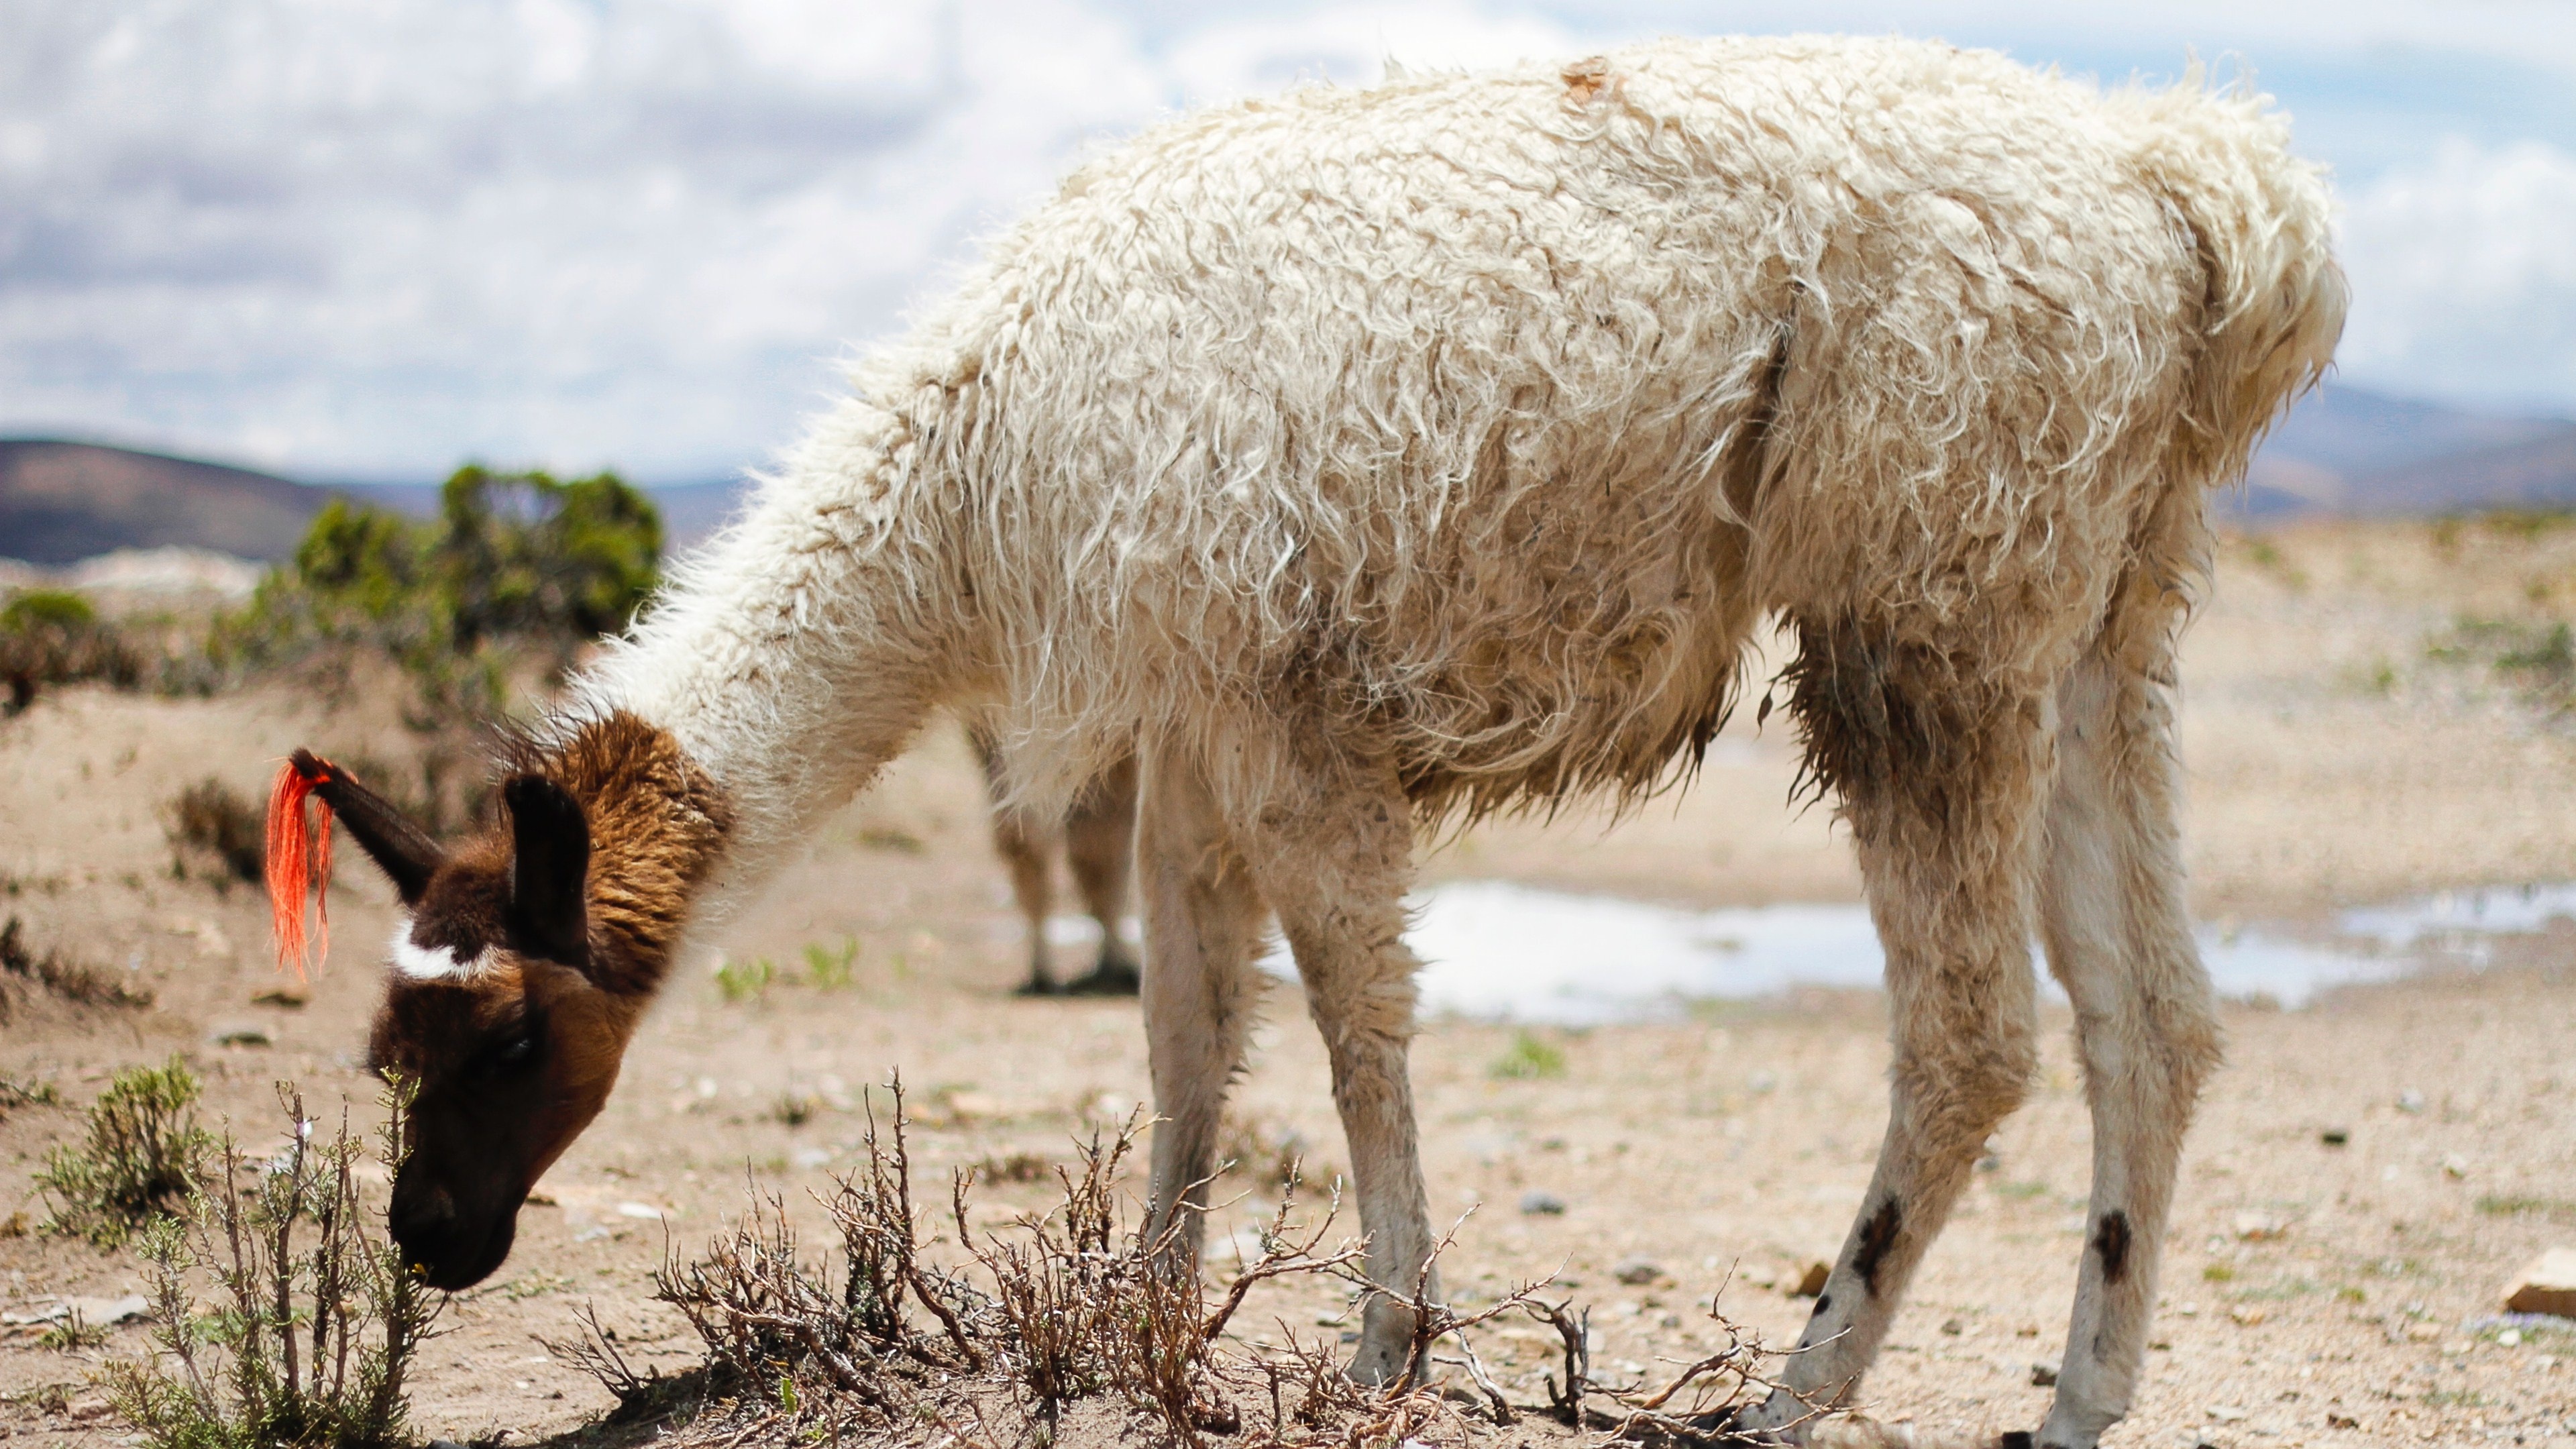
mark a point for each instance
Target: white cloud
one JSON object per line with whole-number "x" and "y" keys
{"x": 2464, "y": 275}
{"x": 372, "y": 239}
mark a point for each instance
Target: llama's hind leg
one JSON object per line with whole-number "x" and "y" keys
{"x": 1939, "y": 771}
{"x": 1334, "y": 860}
{"x": 1202, "y": 934}
{"x": 2113, "y": 917}
{"x": 1099, "y": 844}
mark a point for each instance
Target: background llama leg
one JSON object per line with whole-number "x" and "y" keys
{"x": 1027, "y": 848}
{"x": 2113, "y": 917}
{"x": 1938, "y": 767}
{"x": 1099, "y": 845}
{"x": 1202, "y": 933}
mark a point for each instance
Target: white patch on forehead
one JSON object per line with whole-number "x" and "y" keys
{"x": 432, "y": 963}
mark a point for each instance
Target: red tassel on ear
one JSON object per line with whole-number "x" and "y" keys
{"x": 299, "y": 860}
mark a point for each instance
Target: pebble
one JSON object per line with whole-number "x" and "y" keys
{"x": 1539, "y": 1203}
{"x": 2043, "y": 1376}
{"x": 1953, "y": 1327}
{"x": 2260, "y": 1227}
{"x": 1637, "y": 1271}
{"x": 2548, "y": 1285}
{"x": 1812, "y": 1282}
{"x": 2227, "y": 1413}
{"x": 2410, "y": 1101}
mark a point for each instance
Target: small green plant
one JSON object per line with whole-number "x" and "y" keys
{"x": 2218, "y": 1273}
{"x": 2500, "y": 1205}
{"x": 746, "y": 980}
{"x": 72, "y": 1333}
{"x": 827, "y": 968}
{"x": 1528, "y": 1058}
{"x": 143, "y": 1159}
{"x": 315, "y": 1320}
{"x": 792, "y": 1109}
{"x": 15, "y": 1094}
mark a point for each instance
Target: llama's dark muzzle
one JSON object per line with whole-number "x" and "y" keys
{"x": 448, "y": 1248}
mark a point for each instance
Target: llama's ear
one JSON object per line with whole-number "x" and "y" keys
{"x": 549, "y": 868}
{"x": 402, "y": 850}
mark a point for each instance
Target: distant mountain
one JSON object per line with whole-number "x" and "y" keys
{"x": 2347, "y": 450}
{"x": 61, "y": 502}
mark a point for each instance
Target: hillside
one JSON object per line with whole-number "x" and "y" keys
{"x": 2348, "y": 451}
{"x": 62, "y": 502}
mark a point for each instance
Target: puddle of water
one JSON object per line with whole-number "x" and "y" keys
{"x": 1494, "y": 950}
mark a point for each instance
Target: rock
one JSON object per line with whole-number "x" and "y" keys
{"x": 2256, "y": 1227}
{"x": 90, "y": 1312}
{"x": 1637, "y": 1271}
{"x": 2410, "y": 1101}
{"x": 2248, "y": 1314}
{"x": 1953, "y": 1327}
{"x": 641, "y": 1210}
{"x": 2547, "y": 1286}
{"x": 2455, "y": 1167}
{"x": 2341, "y": 1421}
{"x": 1812, "y": 1282}
{"x": 2043, "y": 1376}
{"x": 1545, "y": 1204}
{"x": 2227, "y": 1413}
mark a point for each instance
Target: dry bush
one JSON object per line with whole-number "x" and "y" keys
{"x": 315, "y": 1319}
{"x": 1078, "y": 1303}
{"x": 22, "y": 971}
{"x": 1264, "y": 1152}
{"x": 143, "y": 1159}
{"x": 218, "y": 825}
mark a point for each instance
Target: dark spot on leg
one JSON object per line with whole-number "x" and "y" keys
{"x": 1876, "y": 1236}
{"x": 2016, "y": 1439}
{"x": 1823, "y": 1302}
{"x": 2112, "y": 1242}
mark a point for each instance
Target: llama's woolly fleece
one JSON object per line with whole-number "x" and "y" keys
{"x": 1474, "y": 421}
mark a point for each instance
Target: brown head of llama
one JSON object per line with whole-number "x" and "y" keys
{"x": 525, "y": 957}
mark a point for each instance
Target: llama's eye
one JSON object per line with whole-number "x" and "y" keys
{"x": 515, "y": 1051}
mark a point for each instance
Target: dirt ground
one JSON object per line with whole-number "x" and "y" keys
{"x": 2314, "y": 1294}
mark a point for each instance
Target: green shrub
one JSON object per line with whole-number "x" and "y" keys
{"x": 52, "y": 636}
{"x": 315, "y": 1320}
{"x": 144, "y": 1157}
{"x": 1529, "y": 1057}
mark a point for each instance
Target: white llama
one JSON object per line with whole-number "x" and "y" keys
{"x": 1362, "y": 458}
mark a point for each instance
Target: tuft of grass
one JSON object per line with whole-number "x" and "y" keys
{"x": 827, "y": 968}
{"x": 57, "y": 975}
{"x": 72, "y": 1334}
{"x": 741, "y": 981}
{"x": 793, "y": 1109}
{"x": 15, "y": 1094}
{"x": 143, "y": 1159}
{"x": 2217, "y": 1273}
{"x": 316, "y": 1318}
{"x": 2500, "y": 1205}
{"x": 219, "y": 825}
{"x": 1529, "y": 1058}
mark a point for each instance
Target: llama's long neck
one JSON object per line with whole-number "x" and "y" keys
{"x": 798, "y": 654}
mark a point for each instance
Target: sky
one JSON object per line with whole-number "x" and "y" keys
{"x": 367, "y": 239}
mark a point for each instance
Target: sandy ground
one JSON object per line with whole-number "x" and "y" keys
{"x": 2314, "y": 1294}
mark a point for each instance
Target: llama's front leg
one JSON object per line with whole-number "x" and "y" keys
{"x": 1335, "y": 866}
{"x": 1939, "y": 790}
{"x": 2112, "y": 913}
{"x": 1202, "y": 933}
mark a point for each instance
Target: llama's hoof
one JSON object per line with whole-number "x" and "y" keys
{"x": 1109, "y": 978}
